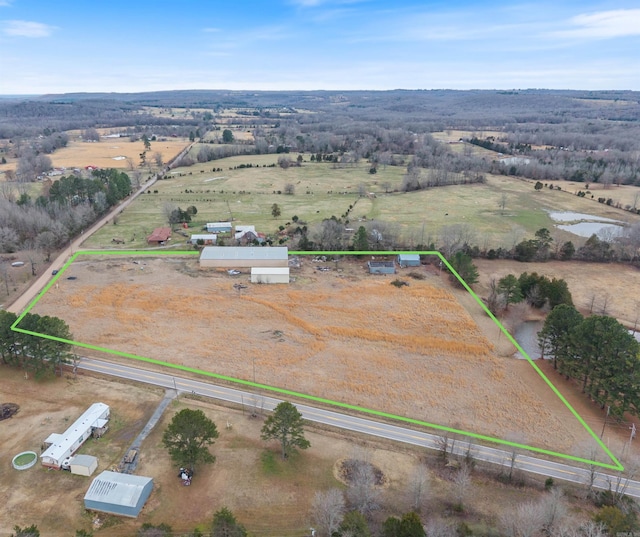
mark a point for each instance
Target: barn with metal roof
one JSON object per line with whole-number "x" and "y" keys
{"x": 118, "y": 494}
{"x": 244, "y": 256}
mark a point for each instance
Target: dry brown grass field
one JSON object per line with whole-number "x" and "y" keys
{"x": 342, "y": 335}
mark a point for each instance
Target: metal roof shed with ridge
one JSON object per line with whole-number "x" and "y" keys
{"x": 118, "y": 494}
{"x": 244, "y": 256}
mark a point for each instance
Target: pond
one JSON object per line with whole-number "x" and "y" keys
{"x": 586, "y": 229}
{"x": 585, "y": 225}
{"x": 526, "y": 334}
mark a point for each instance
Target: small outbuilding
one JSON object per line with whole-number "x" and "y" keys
{"x": 207, "y": 239}
{"x": 118, "y": 494}
{"x": 409, "y": 260}
{"x": 219, "y": 227}
{"x": 269, "y": 274}
{"x": 381, "y": 267}
{"x": 83, "y": 465}
{"x": 244, "y": 256}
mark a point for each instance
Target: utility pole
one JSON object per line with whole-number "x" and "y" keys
{"x": 605, "y": 421}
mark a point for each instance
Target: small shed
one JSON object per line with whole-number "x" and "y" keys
{"x": 208, "y": 239}
{"x": 269, "y": 274}
{"x": 409, "y": 260}
{"x": 219, "y": 227}
{"x": 160, "y": 235}
{"x": 83, "y": 464}
{"x": 118, "y": 494}
{"x": 382, "y": 267}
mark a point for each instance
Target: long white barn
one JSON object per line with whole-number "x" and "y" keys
{"x": 62, "y": 446}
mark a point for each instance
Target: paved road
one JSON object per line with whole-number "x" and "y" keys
{"x": 251, "y": 401}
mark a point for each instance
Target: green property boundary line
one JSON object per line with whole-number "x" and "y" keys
{"x": 614, "y": 465}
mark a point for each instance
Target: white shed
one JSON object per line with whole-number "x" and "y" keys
{"x": 269, "y": 274}
{"x": 83, "y": 464}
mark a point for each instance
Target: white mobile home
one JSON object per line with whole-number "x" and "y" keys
{"x": 61, "y": 446}
{"x": 219, "y": 227}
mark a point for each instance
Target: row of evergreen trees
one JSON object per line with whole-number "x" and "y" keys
{"x": 34, "y": 353}
{"x": 599, "y": 353}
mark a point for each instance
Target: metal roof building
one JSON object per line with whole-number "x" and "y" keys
{"x": 409, "y": 260}
{"x": 83, "y": 464}
{"x": 269, "y": 274}
{"x": 244, "y": 256}
{"x": 381, "y": 267}
{"x": 118, "y": 494}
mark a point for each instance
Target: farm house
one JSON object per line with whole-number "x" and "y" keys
{"x": 83, "y": 465}
{"x": 409, "y": 260}
{"x": 269, "y": 274}
{"x": 61, "y": 446}
{"x": 118, "y": 494}
{"x": 160, "y": 235}
{"x": 381, "y": 267}
{"x": 244, "y": 256}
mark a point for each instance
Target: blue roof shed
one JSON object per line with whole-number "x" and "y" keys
{"x": 409, "y": 260}
{"x": 118, "y": 494}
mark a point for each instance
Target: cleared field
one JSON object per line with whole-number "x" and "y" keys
{"x": 114, "y": 153}
{"x": 340, "y": 335}
{"x": 246, "y": 195}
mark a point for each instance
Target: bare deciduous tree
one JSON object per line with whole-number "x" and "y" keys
{"x": 523, "y": 521}
{"x": 363, "y": 494}
{"x": 419, "y": 487}
{"x": 328, "y": 509}
{"x": 453, "y": 238}
{"x": 462, "y": 485}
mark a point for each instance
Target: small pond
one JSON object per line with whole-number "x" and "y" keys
{"x": 527, "y": 337}
{"x": 585, "y": 225}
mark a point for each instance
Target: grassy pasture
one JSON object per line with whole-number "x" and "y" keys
{"x": 322, "y": 190}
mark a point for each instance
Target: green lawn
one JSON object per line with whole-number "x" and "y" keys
{"x": 323, "y": 190}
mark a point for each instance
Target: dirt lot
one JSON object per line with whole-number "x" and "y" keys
{"x": 339, "y": 334}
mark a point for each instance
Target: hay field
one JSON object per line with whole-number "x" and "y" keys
{"x": 107, "y": 152}
{"x": 341, "y": 335}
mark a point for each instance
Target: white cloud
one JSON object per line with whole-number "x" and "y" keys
{"x": 5, "y": 3}
{"x": 211, "y": 30}
{"x": 604, "y": 24}
{"x": 27, "y": 29}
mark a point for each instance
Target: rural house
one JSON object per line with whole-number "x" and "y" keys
{"x": 60, "y": 447}
{"x": 244, "y": 256}
{"x": 159, "y": 236}
{"x": 118, "y": 494}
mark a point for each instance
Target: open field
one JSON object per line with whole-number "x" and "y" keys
{"x": 246, "y": 196}
{"x": 270, "y": 497}
{"x": 341, "y": 335}
{"x": 108, "y": 153}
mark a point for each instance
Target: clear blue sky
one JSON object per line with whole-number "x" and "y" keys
{"x": 49, "y": 46}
